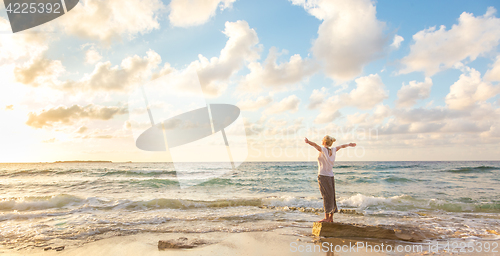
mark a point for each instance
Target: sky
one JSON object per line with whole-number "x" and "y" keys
{"x": 405, "y": 80}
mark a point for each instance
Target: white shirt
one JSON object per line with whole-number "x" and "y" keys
{"x": 325, "y": 161}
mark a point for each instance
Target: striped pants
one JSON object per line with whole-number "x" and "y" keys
{"x": 327, "y": 189}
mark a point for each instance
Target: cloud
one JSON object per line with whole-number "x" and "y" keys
{"x": 82, "y": 129}
{"x": 290, "y": 103}
{"x": 67, "y": 115}
{"x": 455, "y": 125}
{"x": 250, "y": 105}
{"x": 413, "y": 91}
{"x": 9, "y": 107}
{"x": 317, "y": 98}
{"x": 273, "y": 75}
{"x": 252, "y": 129}
{"x": 185, "y": 13}
{"x": 39, "y": 71}
{"x": 52, "y": 140}
{"x": 436, "y": 114}
{"x": 327, "y": 114}
{"x": 494, "y": 73}
{"x": 167, "y": 69}
{"x": 436, "y": 50}
{"x": 493, "y": 132}
{"x": 105, "y": 77}
{"x": 110, "y": 20}
{"x": 392, "y": 127}
{"x": 240, "y": 48}
{"x": 396, "y": 43}
{"x": 357, "y": 118}
{"x": 469, "y": 90}
{"x": 369, "y": 91}
{"x": 92, "y": 56}
{"x": 350, "y": 36}
{"x": 381, "y": 112}
{"x": 465, "y": 126}
{"x": 20, "y": 46}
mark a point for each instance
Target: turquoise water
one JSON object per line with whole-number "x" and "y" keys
{"x": 41, "y": 204}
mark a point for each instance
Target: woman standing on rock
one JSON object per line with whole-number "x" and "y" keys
{"x": 326, "y": 180}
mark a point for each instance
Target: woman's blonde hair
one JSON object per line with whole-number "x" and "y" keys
{"x": 329, "y": 140}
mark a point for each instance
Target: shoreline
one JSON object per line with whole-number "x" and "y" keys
{"x": 281, "y": 241}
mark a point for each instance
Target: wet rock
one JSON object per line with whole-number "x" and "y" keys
{"x": 180, "y": 243}
{"x": 350, "y": 211}
{"x": 60, "y": 248}
{"x": 346, "y": 230}
{"x": 492, "y": 232}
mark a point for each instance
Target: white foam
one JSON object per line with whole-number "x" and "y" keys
{"x": 292, "y": 201}
{"x": 24, "y": 204}
{"x": 361, "y": 201}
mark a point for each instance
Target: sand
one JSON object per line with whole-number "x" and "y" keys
{"x": 284, "y": 241}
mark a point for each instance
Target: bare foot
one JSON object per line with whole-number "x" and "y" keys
{"x": 324, "y": 220}
{"x": 330, "y": 220}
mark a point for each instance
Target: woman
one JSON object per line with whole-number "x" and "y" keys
{"x": 326, "y": 180}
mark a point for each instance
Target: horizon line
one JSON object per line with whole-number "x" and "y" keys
{"x": 128, "y": 162}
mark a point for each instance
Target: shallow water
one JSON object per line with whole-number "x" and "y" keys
{"x": 44, "y": 203}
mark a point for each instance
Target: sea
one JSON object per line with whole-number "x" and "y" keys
{"x": 74, "y": 203}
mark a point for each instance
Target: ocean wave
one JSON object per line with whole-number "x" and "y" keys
{"x": 361, "y": 201}
{"x": 129, "y": 173}
{"x": 385, "y": 167}
{"x": 97, "y": 172}
{"x": 406, "y": 203}
{"x": 398, "y": 180}
{"x": 292, "y": 201}
{"x": 477, "y": 169}
{"x": 458, "y": 206}
{"x": 191, "y": 204}
{"x": 152, "y": 183}
{"x": 65, "y": 201}
{"x": 30, "y": 172}
{"x": 219, "y": 181}
{"x": 343, "y": 166}
{"x": 38, "y": 203}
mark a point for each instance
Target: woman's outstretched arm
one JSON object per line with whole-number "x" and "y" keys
{"x": 316, "y": 146}
{"x": 346, "y": 145}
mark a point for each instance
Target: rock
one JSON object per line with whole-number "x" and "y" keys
{"x": 344, "y": 230}
{"x": 180, "y": 243}
{"x": 60, "y": 248}
{"x": 350, "y": 211}
{"x": 47, "y": 248}
{"x": 492, "y": 232}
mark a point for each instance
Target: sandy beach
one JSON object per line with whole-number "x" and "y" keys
{"x": 276, "y": 242}
{"x": 284, "y": 241}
